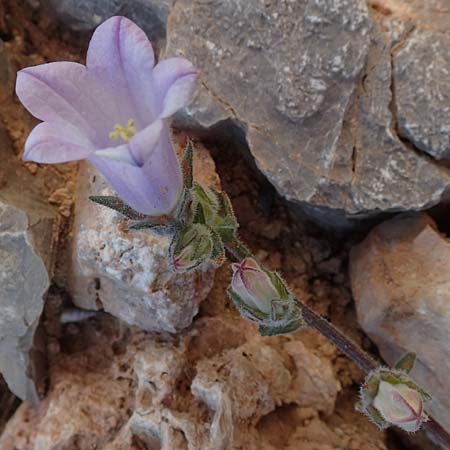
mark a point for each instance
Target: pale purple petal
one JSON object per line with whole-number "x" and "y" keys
{"x": 58, "y": 92}
{"x": 121, "y": 56}
{"x": 49, "y": 143}
{"x": 175, "y": 81}
{"x": 153, "y": 188}
{"x": 120, "y": 153}
{"x": 143, "y": 144}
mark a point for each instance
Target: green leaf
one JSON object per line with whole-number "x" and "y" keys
{"x": 406, "y": 362}
{"x": 187, "y": 164}
{"x": 205, "y": 204}
{"x": 279, "y": 284}
{"x": 118, "y": 205}
{"x": 225, "y": 222}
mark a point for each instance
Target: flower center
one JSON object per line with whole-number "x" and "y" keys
{"x": 124, "y": 133}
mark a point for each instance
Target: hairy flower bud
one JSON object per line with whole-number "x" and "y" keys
{"x": 253, "y": 285}
{"x": 195, "y": 245}
{"x": 390, "y": 397}
{"x": 262, "y": 297}
{"x": 400, "y": 405}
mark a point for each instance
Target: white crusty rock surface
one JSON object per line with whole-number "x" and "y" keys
{"x": 126, "y": 273}
{"x": 400, "y": 278}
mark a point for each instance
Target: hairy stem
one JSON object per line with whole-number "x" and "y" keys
{"x": 238, "y": 250}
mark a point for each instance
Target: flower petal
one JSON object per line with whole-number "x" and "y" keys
{"x": 153, "y": 188}
{"x": 121, "y": 55}
{"x": 175, "y": 81}
{"x": 57, "y": 92}
{"x": 143, "y": 144}
{"x": 50, "y": 144}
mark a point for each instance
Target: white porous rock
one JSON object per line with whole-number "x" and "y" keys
{"x": 127, "y": 273}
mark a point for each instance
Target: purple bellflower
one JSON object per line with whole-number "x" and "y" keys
{"x": 113, "y": 113}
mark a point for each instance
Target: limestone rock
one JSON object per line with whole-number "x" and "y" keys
{"x": 401, "y": 283}
{"x": 308, "y": 84}
{"x": 119, "y": 389}
{"x": 421, "y": 76}
{"x": 126, "y": 273}
{"x": 315, "y": 384}
{"x": 26, "y": 245}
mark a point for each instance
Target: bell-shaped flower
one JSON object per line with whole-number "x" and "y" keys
{"x": 112, "y": 111}
{"x": 400, "y": 405}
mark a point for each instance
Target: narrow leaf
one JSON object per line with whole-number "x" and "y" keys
{"x": 118, "y": 205}
{"x": 187, "y": 164}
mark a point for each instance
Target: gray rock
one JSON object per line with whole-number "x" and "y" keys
{"x": 400, "y": 277}
{"x": 26, "y": 250}
{"x": 422, "y": 70}
{"x": 127, "y": 273}
{"x": 85, "y": 15}
{"x": 309, "y": 84}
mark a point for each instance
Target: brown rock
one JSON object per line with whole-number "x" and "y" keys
{"x": 401, "y": 283}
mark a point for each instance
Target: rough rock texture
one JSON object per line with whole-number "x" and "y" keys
{"x": 309, "y": 83}
{"x": 26, "y": 244}
{"x": 85, "y": 15}
{"x": 421, "y": 76}
{"x": 127, "y": 273}
{"x": 200, "y": 391}
{"x": 401, "y": 284}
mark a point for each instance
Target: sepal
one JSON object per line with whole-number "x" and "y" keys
{"x": 194, "y": 245}
{"x": 262, "y": 297}
{"x": 187, "y": 164}
{"x": 118, "y": 205}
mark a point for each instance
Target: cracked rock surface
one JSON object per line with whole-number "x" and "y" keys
{"x": 310, "y": 85}
{"x": 421, "y": 73}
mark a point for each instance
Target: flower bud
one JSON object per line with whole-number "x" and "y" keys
{"x": 261, "y": 296}
{"x": 390, "y": 397}
{"x": 253, "y": 285}
{"x": 400, "y": 405}
{"x": 195, "y": 245}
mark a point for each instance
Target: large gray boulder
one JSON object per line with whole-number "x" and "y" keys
{"x": 309, "y": 83}
{"x": 421, "y": 76}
